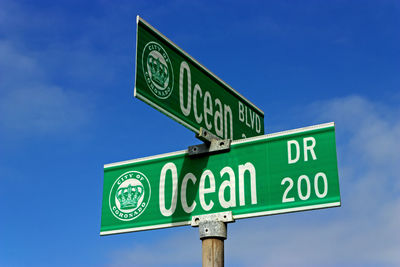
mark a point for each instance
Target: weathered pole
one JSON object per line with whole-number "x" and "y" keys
{"x": 213, "y": 232}
{"x": 212, "y": 235}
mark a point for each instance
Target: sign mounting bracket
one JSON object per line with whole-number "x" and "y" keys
{"x": 212, "y": 225}
{"x": 212, "y": 144}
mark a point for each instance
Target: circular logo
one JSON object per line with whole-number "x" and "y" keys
{"x": 157, "y": 69}
{"x": 129, "y": 195}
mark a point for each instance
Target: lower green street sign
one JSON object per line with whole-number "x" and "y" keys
{"x": 277, "y": 173}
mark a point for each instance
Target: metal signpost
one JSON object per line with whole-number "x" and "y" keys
{"x": 220, "y": 181}
{"x": 276, "y": 173}
{"x": 174, "y": 83}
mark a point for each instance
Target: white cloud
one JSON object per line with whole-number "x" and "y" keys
{"x": 181, "y": 249}
{"x": 364, "y": 231}
{"x": 33, "y": 97}
{"x": 42, "y": 109}
{"x": 29, "y": 104}
{"x": 371, "y": 133}
{"x": 16, "y": 68}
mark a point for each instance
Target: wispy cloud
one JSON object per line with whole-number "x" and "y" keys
{"x": 42, "y": 109}
{"x": 360, "y": 233}
{"x": 31, "y": 101}
{"x": 16, "y": 68}
{"x": 29, "y": 104}
{"x": 163, "y": 253}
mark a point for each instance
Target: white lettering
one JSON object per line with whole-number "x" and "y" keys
{"x": 325, "y": 181}
{"x": 252, "y": 171}
{"x": 308, "y": 187}
{"x": 228, "y": 112}
{"x": 309, "y": 148}
{"x": 185, "y": 110}
{"x": 186, "y": 208}
{"x": 227, "y": 183}
{"x": 297, "y": 147}
{"x": 207, "y": 109}
{"x": 174, "y": 175}
{"x": 252, "y": 119}
{"x": 203, "y": 190}
{"x": 245, "y": 112}
{"x": 203, "y": 105}
{"x": 196, "y": 90}
{"x": 218, "y": 118}
{"x": 208, "y": 192}
{"x": 241, "y": 111}
{"x": 258, "y": 124}
{"x": 284, "y": 197}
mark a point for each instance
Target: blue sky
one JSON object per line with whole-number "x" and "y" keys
{"x": 67, "y": 108}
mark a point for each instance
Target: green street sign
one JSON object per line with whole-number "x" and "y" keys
{"x": 277, "y": 173}
{"x": 171, "y": 81}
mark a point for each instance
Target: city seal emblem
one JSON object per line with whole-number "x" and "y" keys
{"x": 129, "y": 195}
{"x": 157, "y": 69}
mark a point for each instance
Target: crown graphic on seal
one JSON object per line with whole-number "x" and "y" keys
{"x": 129, "y": 196}
{"x": 159, "y": 71}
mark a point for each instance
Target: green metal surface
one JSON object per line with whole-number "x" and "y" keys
{"x": 271, "y": 174}
{"x": 174, "y": 83}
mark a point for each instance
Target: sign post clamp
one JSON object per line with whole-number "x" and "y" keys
{"x": 212, "y": 144}
{"x": 212, "y": 225}
{"x": 213, "y": 232}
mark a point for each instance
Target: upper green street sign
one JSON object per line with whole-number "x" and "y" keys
{"x": 174, "y": 83}
{"x": 276, "y": 173}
